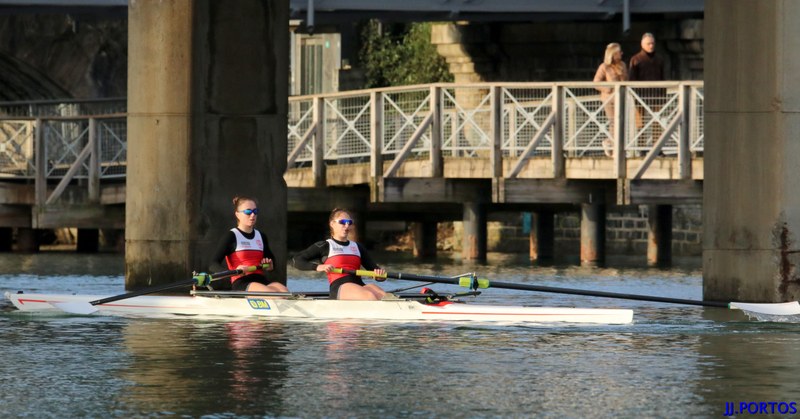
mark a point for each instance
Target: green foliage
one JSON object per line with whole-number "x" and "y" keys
{"x": 401, "y": 55}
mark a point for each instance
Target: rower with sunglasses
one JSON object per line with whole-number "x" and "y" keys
{"x": 245, "y": 246}
{"x": 340, "y": 252}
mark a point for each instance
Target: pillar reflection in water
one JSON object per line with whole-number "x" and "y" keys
{"x": 201, "y": 367}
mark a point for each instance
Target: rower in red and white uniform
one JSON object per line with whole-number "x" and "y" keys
{"x": 340, "y": 252}
{"x": 244, "y": 246}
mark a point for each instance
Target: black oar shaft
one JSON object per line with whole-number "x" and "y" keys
{"x": 159, "y": 288}
{"x": 540, "y": 288}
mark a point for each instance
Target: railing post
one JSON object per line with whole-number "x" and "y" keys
{"x": 620, "y": 164}
{"x": 318, "y": 149}
{"x": 40, "y": 185}
{"x": 496, "y": 126}
{"x": 684, "y": 153}
{"x": 94, "y": 163}
{"x": 557, "y": 155}
{"x": 437, "y": 169}
{"x": 376, "y": 145}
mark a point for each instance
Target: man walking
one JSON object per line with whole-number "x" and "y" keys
{"x": 647, "y": 66}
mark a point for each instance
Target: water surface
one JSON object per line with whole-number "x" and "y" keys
{"x": 673, "y": 361}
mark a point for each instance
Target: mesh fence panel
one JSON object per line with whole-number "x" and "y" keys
{"x": 466, "y": 121}
{"x": 696, "y": 135}
{"x": 300, "y": 120}
{"x": 587, "y": 120}
{"x": 113, "y": 137}
{"x": 649, "y": 113}
{"x": 347, "y": 129}
{"x": 64, "y": 140}
{"x": 524, "y": 111}
{"x": 403, "y": 113}
{"x": 16, "y": 149}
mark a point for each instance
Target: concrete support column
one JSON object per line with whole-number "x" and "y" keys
{"x": 88, "y": 240}
{"x": 27, "y": 240}
{"x": 207, "y": 108}
{"x": 542, "y": 235}
{"x": 593, "y": 233}
{"x": 659, "y": 234}
{"x": 6, "y": 239}
{"x": 475, "y": 237}
{"x": 751, "y": 195}
{"x": 424, "y": 239}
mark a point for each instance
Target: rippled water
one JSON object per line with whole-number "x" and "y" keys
{"x": 674, "y": 361}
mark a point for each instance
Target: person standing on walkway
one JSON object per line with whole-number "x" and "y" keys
{"x": 340, "y": 252}
{"x": 647, "y": 66}
{"x": 611, "y": 69}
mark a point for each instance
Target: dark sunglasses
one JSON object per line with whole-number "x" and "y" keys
{"x": 345, "y": 222}
{"x": 249, "y": 211}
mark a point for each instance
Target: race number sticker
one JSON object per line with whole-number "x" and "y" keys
{"x": 258, "y": 304}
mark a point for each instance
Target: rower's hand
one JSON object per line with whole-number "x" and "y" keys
{"x": 268, "y": 263}
{"x": 324, "y": 268}
{"x": 380, "y": 274}
{"x": 202, "y": 279}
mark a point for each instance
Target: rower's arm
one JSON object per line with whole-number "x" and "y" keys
{"x": 226, "y": 246}
{"x": 308, "y": 259}
{"x": 366, "y": 260}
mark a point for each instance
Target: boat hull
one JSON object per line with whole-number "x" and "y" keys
{"x": 306, "y": 308}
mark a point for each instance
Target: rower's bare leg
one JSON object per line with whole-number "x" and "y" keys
{"x": 352, "y": 291}
{"x": 377, "y": 291}
{"x": 273, "y": 287}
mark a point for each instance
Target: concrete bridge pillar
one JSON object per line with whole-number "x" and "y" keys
{"x": 751, "y": 193}
{"x": 659, "y": 234}
{"x": 542, "y": 235}
{"x": 424, "y": 239}
{"x": 475, "y": 234}
{"x": 593, "y": 233}
{"x": 207, "y": 106}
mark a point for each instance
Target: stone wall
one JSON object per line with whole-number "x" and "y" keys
{"x": 563, "y": 51}
{"x": 626, "y": 232}
{"x": 56, "y": 56}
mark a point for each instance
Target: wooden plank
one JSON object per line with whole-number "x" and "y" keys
{"x": 79, "y": 216}
{"x": 555, "y": 191}
{"x": 15, "y": 216}
{"x": 436, "y": 190}
{"x": 666, "y": 192}
{"x": 17, "y": 193}
{"x": 325, "y": 199}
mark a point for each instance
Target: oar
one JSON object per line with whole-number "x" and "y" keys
{"x": 472, "y": 282}
{"x": 80, "y": 307}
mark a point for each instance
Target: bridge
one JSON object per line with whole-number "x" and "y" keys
{"x": 417, "y": 153}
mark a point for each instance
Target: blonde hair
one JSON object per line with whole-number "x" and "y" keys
{"x": 611, "y": 49}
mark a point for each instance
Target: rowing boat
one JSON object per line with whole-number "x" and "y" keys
{"x": 306, "y": 306}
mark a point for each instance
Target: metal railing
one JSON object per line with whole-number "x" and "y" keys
{"x": 508, "y": 120}
{"x": 511, "y": 121}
